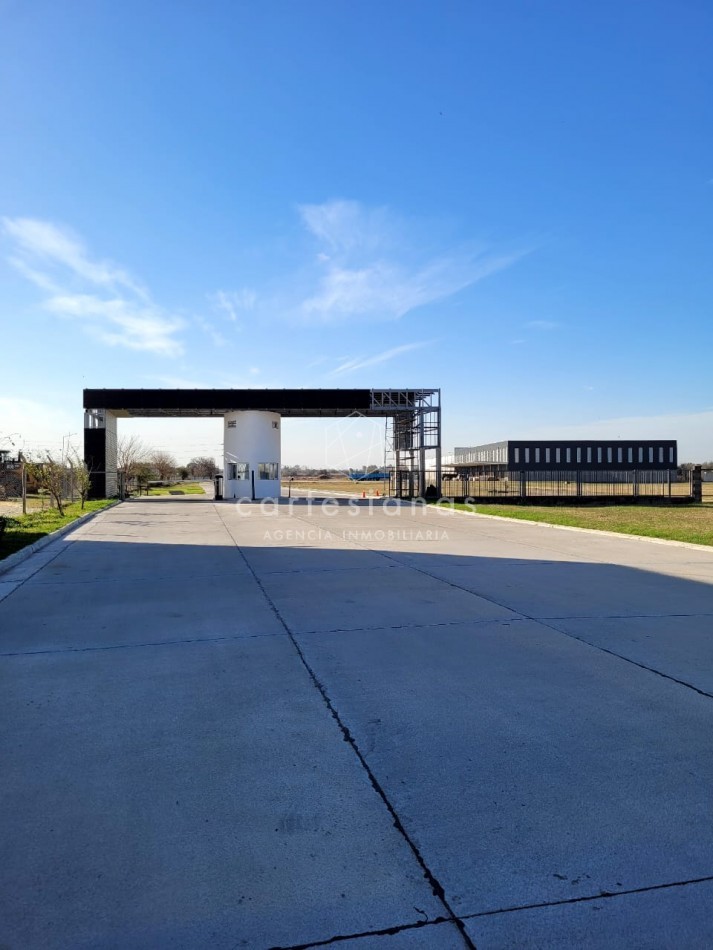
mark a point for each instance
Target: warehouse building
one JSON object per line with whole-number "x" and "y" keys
{"x": 499, "y": 458}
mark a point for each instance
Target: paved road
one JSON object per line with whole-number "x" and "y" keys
{"x": 227, "y": 727}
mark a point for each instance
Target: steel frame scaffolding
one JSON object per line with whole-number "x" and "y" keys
{"x": 415, "y": 430}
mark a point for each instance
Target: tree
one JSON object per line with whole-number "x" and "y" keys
{"x": 202, "y": 467}
{"x": 144, "y": 474}
{"x": 130, "y": 454}
{"x": 164, "y": 465}
{"x": 81, "y": 475}
{"x": 183, "y": 472}
{"x": 51, "y": 475}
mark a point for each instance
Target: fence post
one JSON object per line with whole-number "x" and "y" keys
{"x": 23, "y": 476}
{"x": 579, "y": 483}
{"x": 697, "y": 484}
{"x": 523, "y": 484}
{"x": 636, "y": 483}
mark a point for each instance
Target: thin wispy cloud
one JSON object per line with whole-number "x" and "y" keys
{"x": 120, "y": 323}
{"x": 48, "y": 244}
{"x": 213, "y": 334}
{"x": 363, "y": 263}
{"x": 350, "y": 226}
{"x": 233, "y": 303}
{"x": 369, "y": 267}
{"x": 103, "y": 298}
{"x": 360, "y": 362}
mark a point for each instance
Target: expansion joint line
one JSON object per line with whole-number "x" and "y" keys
{"x": 543, "y": 622}
{"x": 626, "y": 659}
{"x": 435, "y": 885}
{"x": 588, "y": 898}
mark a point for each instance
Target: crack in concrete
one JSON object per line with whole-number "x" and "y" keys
{"x": 436, "y": 886}
{"x": 386, "y": 932}
{"x": 602, "y": 895}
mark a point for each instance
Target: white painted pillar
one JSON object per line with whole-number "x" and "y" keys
{"x": 251, "y": 447}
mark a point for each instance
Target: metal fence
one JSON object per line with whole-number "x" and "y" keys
{"x": 18, "y": 494}
{"x": 12, "y": 490}
{"x": 534, "y": 486}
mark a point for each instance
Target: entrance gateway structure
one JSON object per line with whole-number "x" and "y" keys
{"x": 252, "y": 429}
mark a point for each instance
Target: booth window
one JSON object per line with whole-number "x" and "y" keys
{"x": 267, "y": 471}
{"x": 238, "y": 471}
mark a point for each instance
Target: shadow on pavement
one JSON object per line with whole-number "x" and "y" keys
{"x": 519, "y": 731}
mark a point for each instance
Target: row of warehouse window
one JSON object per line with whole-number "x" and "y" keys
{"x": 240, "y": 471}
{"x": 603, "y": 454}
{"x": 498, "y": 454}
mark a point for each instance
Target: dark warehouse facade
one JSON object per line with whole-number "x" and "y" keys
{"x": 575, "y": 455}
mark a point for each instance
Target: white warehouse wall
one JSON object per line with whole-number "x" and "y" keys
{"x": 251, "y": 439}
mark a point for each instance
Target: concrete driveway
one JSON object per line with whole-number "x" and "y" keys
{"x": 290, "y": 726}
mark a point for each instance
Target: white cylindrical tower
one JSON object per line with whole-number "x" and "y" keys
{"x": 251, "y": 448}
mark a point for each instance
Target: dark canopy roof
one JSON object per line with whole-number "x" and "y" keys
{"x": 287, "y": 402}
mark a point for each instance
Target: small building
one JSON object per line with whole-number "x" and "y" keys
{"x": 499, "y": 458}
{"x": 7, "y": 462}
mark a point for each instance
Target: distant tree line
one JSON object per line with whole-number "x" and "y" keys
{"x": 141, "y": 464}
{"x": 687, "y": 466}
{"x": 306, "y": 471}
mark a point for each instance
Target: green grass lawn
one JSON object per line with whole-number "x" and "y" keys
{"x": 693, "y": 523}
{"x": 186, "y": 488}
{"x": 26, "y": 529}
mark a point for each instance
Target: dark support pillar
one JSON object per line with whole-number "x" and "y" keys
{"x": 523, "y": 485}
{"x": 100, "y": 452}
{"x": 697, "y": 484}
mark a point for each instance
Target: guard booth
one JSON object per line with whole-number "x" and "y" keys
{"x": 218, "y": 487}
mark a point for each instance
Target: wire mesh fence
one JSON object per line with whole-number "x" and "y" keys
{"x": 520, "y": 486}
{"x": 20, "y": 494}
{"x": 12, "y": 490}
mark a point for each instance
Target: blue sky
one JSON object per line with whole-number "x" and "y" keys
{"x": 510, "y": 201}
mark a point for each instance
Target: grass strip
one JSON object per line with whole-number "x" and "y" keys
{"x": 186, "y": 488}
{"x": 691, "y": 523}
{"x": 26, "y": 529}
